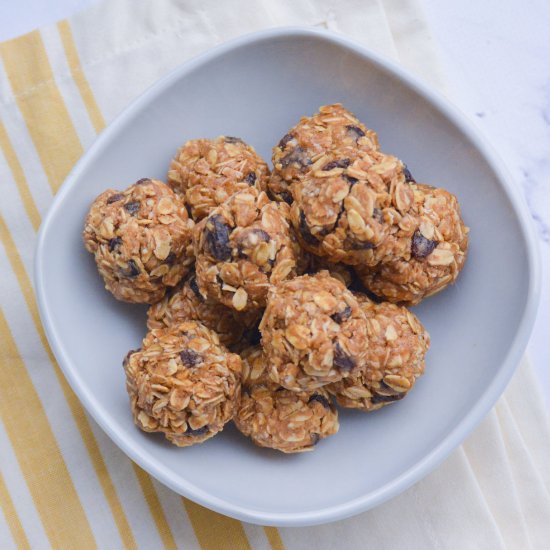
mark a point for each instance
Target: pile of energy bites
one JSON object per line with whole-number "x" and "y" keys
{"x": 274, "y": 293}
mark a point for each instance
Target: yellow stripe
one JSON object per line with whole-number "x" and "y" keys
{"x": 19, "y": 177}
{"x": 214, "y": 530}
{"x": 41, "y": 105}
{"x": 12, "y": 518}
{"x": 45, "y": 472}
{"x": 155, "y": 507}
{"x": 79, "y": 416}
{"x": 79, "y": 77}
{"x": 274, "y": 538}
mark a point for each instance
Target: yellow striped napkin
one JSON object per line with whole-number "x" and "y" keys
{"x": 63, "y": 483}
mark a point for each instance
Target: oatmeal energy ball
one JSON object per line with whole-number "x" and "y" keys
{"x": 311, "y": 143}
{"x": 141, "y": 240}
{"x": 313, "y": 332}
{"x": 208, "y": 171}
{"x": 277, "y": 418}
{"x": 395, "y": 358}
{"x": 242, "y": 248}
{"x": 345, "y": 209}
{"x": 186, "y": 303}
{"x": 183, "y": 383}
{"x": 425, "y": 252}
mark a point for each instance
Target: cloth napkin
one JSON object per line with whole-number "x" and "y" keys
{"x": 63, "y": 483}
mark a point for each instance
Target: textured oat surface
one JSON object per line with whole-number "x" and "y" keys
{"x": 242, "y": 248}
{"x": 425, "y": 251}
{"x": 313, "y": 332}
{"x": 299, "y": 150}
{"x": 208, "y": 171}
{"x": 277, "y": 418}
{"x": 395, "y": 358}
{"x": 186, "y": 303}
{"x": 141, "y": 240}
{"x": 183, "y": 383}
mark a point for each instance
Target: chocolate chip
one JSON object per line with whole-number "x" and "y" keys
{"x": 305, "y": 232}
{"x": 114, "y": 243}
{"x": 233, "y": 139}
{"x": 341, "y": 359}
{"x": 115, "y": 198}
{"x": 320, "y": 399}
{"x": 170, "y": 259}
{"x": 284, "y": 140}
{"x": 132, "y": 207}
{"x": 190, "y": 358}
{"x": 286, "y": 196}
{"x": 250, "y": 178}
{"x": 217, "y": 238}
{"x": 376, "y": 399}
{"x": 296, "y": 156}
{"x": 133, "y": 269}
{"x": 420, "y": 246}
{"x": 340, "y": 163}
{"x": 408, "y": 176}
{"x": 351, "y": 180}
{"x": 315, "y": 437}
{"x": 195, "y": 288}
{"x": 341, "y": 316}
{"x": 143, "y": 181}
{"x": 197, "y": 432}
{"x": 355, "y": 132}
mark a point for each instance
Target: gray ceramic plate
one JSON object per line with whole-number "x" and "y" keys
{"x": 256, "y": 87}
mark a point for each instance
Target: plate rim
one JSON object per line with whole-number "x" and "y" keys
{"x": 462, "y": 429}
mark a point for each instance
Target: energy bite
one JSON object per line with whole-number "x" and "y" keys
{"x": 141, "y": 239}
{"x": 343, "y": 210}
{"x": 395, "y": 358}
{"x": 313, "y": 332}
{"x": 208, "y": 171}
{"x": 277, "y": 418}
{"x": 243, "y": 247}
{"x": 299, "y": 151}
{"x": 186, "y": 303}
{"x": 425, "y": 252}
{"x": 183, "y": 383}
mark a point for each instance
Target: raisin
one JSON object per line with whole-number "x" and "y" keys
{"x": 286, "y": 196}
{"x": 355, "y": 132}
{"x": 197, "y": 432}
{"x": 340, "y": 163}
{"x": 143, "y": 181}
{"x": 341, "y": 359}
{"x": 420, "y": 246}
{"x": 305, "y": 232}
{"x": 133, "y": 269}
{"x": 132, "y": 207}
{"x": 376, "y": 399}
{"x": 320, "y": 399}
{"x": 351, "y": 180}
{"x": 233, "y": 139}
{"x": 195, "y": 288}
{"x": 296, "y": 156}
{"x": 408, "y": 176}
{"x": 378, "y": 215}
{"x": 114, "y": 243}
{"x": 341, "y": 316}
{"x": 115, "y": 198}
{"x": 128, "y": 355}
{"x": 250, "y": 178}
{"x": 217, "y": 238}
{"x": 170, "y": 259}
{"x": 315, "y": 437}
{"x": 190, "y": 358}
{"x": 284, "y": 140}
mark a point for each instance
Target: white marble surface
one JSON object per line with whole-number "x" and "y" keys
{"x": 495, "y": 57}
